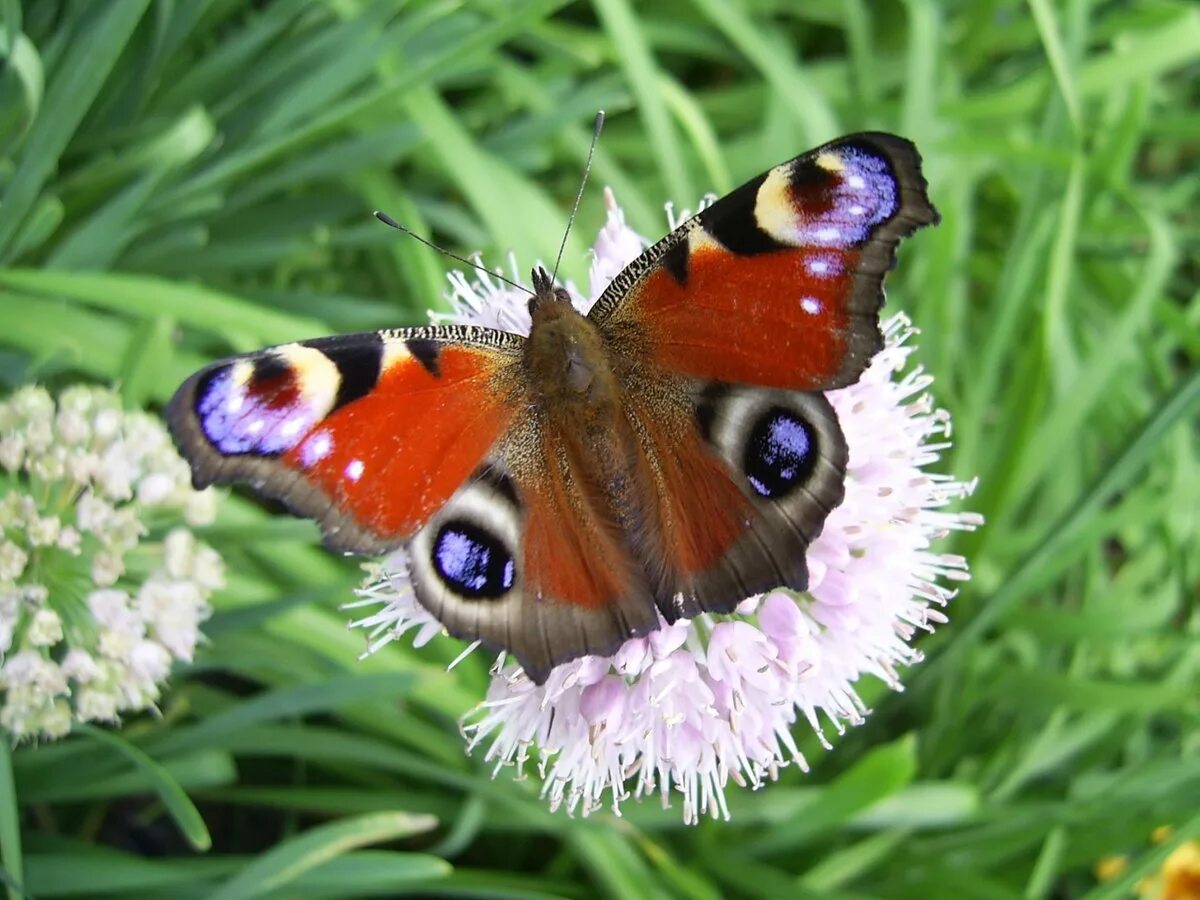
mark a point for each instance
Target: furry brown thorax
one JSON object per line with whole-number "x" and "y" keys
{"x": 566, "y": 354}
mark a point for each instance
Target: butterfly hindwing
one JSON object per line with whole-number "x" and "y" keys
{"x": 738, "y": 481}
{"x": 785, "y": 452}
{"x": 368, "y": 434}
{"x": 522, "y": 560}
{"x": 780, "y": 282}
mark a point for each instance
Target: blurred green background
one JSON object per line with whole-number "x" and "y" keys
{"x": 182, "y": 179}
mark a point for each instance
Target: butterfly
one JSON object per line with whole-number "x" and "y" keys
{"x": 670, "y": 453}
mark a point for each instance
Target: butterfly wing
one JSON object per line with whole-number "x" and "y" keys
{"x": 525, "y": 559}
{"x": 726, "y": 327}
{"x": 780, "y": 282}
{"x": 738, "y": 481}
{"x": 368, "y": 434}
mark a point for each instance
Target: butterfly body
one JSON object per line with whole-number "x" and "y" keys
{"x": 568, "y": 367}
{"x": 667, "y": 454}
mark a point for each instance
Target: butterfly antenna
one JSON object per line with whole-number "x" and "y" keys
{"x": 392, "y": 223}
{"x": 587, "y": 167}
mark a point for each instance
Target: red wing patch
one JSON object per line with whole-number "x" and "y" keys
{"x": 699, "y": 511}
{"x": 369, "y": 434}
{"x": 778, "y": 319}
{"x": 570, "y": 556}
{"x": 394, "y": 456}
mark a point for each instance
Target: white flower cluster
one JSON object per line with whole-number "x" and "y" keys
{"x": 92, "y": 613}
{"x": 701, "y": 703}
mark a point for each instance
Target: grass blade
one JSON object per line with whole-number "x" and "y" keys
{"x": 286, "y": 862}
{"x": 173, "y": 797}
{"x": 10, "y": 827}
{"x": 92, "y": 57}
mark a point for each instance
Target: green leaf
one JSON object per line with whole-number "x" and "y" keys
{"x": 22, "y": 59}
{"x": 1180, "y": 405}
{"x": 83, "y": 871}
{"x": 243, "y": 324}
{"x": 206, "y": 768}
{"x": 91, "y": 57}
{"x": 643, "y": 79}
{"x": 10, "y": 828}
{"x": 87, "y": 871}
{"x": 287, "y": 861}
{"x": 176, "y": 802}
{"x": 367, "y": 872}
{"x": 879, "y": 774}
{"x": 1060, "y": 64}
{"x": 302, "y": 699}
{"x": 775, "y": 61}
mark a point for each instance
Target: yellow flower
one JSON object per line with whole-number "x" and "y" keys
{"x": 1179, "y": 877}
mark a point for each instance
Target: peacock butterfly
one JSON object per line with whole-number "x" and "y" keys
{"x": 669, "y": 453}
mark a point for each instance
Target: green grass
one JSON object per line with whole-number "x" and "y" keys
{"x": 184, "y": 180}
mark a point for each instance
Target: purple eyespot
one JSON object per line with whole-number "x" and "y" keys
{"x": 861, "y": 193}
{"x": 264, "y": 414}
{"x": 780, "y": 453}
{"x": 472, "y": 562}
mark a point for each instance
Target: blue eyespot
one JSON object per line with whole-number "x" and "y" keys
{"x": 473, "y": 562}
{"x": 263, "y": 415}
{"x": 780, "y": 453}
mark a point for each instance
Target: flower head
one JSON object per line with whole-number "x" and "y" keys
{"x": 700, "y": 703}
{"x": 93, "y": 611}
{"x": 1179, "y": 876}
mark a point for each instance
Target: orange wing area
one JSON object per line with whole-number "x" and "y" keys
{"x": 762, "y": 319}
{"x": 701, "y": 512}
{"x": 569, "y": 556}
{"x": 394, "y": 456}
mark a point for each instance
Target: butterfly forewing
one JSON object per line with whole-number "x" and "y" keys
{"x": 368, "y": 434}
{"x": 780, "y": 282}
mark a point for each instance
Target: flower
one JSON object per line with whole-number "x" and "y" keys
{"x": 1179, "y": 876}
{"x": 93, "y": 610}
{"x": 695, "y": 705}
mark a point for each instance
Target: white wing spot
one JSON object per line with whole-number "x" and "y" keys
{"x": 818, "y": 267}
{"x": 856, "y": 210}
{"x": 291, "y": 427}
{"x": 354, "y": 469}
{"x": 810, "y": 305}
{"x": 828, "y": 233}
{"x": 317, "y": 448}
{"x": 856, "y": 182}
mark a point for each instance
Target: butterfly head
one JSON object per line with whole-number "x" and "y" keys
{"x": 545, "y": 291}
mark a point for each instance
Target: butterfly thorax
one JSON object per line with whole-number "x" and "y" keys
{"x": 565, "y": 355}
{"x": 573, "y": 385}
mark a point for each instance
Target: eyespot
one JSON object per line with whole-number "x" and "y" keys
{"x": 470, "y": 550}
{"x": 775, "y": 440}
{"x": 780, "y": 453}
{"x": 473, "y": 562}
{"x": 265, "y": 405}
